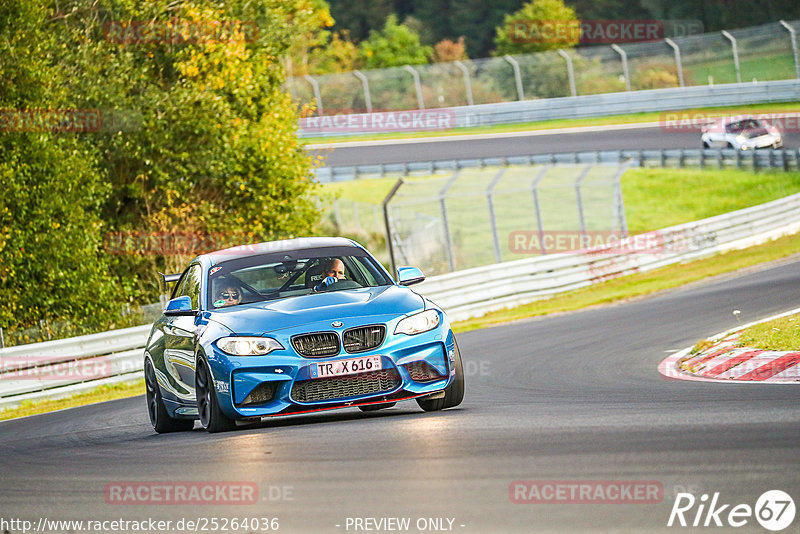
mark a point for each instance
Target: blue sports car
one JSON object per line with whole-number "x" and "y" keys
{"x": 295, "y": 326}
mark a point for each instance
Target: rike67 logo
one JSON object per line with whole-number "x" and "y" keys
{"x": 774, "y": 510}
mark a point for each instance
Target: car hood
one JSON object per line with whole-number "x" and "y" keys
{"x": 269, "y": 316}
{"x": 753, "y": 133}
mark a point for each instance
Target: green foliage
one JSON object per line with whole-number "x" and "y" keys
{"x": 360, "y": 17}
{"x": 206, "y": 145}
{"x": 51, "y": 189}
{"x": 474, "y": 19}
{"x": 526, "y": 31}
{"x": 394, "y": 46}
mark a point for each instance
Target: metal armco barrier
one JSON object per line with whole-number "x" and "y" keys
{"x": 57, "y": 368}
{"x": 726, "y": 158}
{"x": 64, "y": 367}
{"x": 677, "y": 98}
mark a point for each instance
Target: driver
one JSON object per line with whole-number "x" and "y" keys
{"x": 332, "y": 272}
{"x": 333, "y": 267}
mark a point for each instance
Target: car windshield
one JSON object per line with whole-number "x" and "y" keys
{"x": 292, "y": 273}
{"x": 744, "y": 125}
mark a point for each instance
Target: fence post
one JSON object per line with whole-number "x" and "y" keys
{"x": 580, "y": 200}
{"x": 467, "y": 81}
{"x": 2, "y": 339}
{"x": 624, "y": 57}
{"x": 619, "y": 201}
{"x": 517, "y": 76}
{"x": 388, "y": 225}
{"x": 365, "y": 84}
{"x": 317, "y": 94}
{"x": 678, "y": 64}
{"x": 535, "y": 187}
{"x": 570, "y": 71}
{"x": 451, "y": 261}
{"x": 732, "y": 39}
{"x": 356, "y": 218}
{"x": 492, "y": 219}
{"x": 417, "y": 85}
{"x": 337, "y": 215}
{"x": 793, "y": 36}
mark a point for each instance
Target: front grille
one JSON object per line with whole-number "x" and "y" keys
{"x": 316, "y": 345}
{"x": 324, "y": 389}
{"x": 261, "y": 394}
{"x": 422, "y": 372}
{"x": 363, "y": 338}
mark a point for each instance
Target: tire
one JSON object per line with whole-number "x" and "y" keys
{"x": 706, "y": 145}
{"x": 211, "y": 417}
{"x": 376, "y": 407}
{"x": 730, "y": 145}
{"x": 159, "y": 418}
{"x": 453, "y": 394}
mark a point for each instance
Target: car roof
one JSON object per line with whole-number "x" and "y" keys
{"x": 299, "y": 243}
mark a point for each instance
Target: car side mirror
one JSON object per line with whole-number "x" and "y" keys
{"x": 407, "y": 276}
{"x": 179, "y": 306}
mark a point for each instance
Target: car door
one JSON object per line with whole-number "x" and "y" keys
{"x": 179, "y": 340}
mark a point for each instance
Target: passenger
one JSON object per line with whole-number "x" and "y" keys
{"x": 228, "y": 294}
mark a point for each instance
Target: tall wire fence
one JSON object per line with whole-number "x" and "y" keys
{"x": 475, "y": 217}
{"x": 760, "y": 53}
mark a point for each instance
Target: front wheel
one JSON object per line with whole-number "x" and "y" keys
{"x": 211, "y": 417}
{"x": 159, "y": 418}
{"x": 453, "y": 394}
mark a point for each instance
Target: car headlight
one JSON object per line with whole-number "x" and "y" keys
{"x": 418, "y": 323}
{"x": 248, "y": 346}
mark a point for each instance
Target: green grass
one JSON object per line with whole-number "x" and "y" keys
{"x": 774, "y": 67}
{"x": 639, "y": 284}
{"x": 99, "y": 394}
{"x": 779, "y": 334}
{"x": 658, "y": 198}
{"x": 630, "y": 118}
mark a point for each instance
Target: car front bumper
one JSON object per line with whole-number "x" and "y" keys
{"x": 284, "y": 382}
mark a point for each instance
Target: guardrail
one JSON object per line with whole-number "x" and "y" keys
{"x": 64, "y": 367}
{"x": 58, "y": 368}
{"x": 786, "y": 159}
{"x": 651, "y": 100}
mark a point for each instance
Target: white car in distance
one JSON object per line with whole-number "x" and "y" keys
{"x": 741, "y": 133}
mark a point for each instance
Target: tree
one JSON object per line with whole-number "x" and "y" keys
{"x": 210, "y": 150}
{"x": 51, "y": 193}
{"x": 395, "y": 45}
{"x": 447, "y": 50}
{"x": 539, "y": 25}
{"x": 360, "y": 17}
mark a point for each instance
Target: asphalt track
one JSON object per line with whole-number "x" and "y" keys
{"x": 569, "y": 397}
{"x": 647, "y": 138}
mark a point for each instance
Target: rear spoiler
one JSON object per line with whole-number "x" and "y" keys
{"x": 169, "y": 278}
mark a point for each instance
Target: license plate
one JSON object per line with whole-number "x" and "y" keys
{"x": 346, "y": 367}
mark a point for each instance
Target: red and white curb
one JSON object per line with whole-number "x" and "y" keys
{"x": 723, "y": 361}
